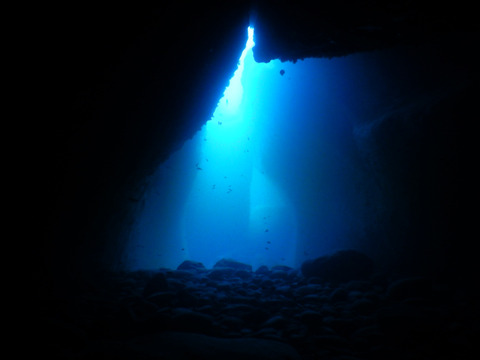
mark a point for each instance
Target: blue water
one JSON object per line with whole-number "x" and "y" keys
{"x": 263, "y": 181}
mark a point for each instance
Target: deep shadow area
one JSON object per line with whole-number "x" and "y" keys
{"x": 347, "y": 311}
{"x": 115, "y": 90}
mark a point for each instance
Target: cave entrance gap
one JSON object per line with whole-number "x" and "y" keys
{"x": 234, "y": 210}
{"x": 269, "y": 172}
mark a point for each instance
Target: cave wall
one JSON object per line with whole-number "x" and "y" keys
{"x": 416, "y": 145}
{"x": 412, "y": 101}
{"x": 118, "y": 89}
{"x": 114, "y": 84}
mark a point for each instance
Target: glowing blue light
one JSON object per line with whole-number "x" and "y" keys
{"x": 232, "y": 97}
{"x": 213, "y": 199}
{"x": 231, "y": 196}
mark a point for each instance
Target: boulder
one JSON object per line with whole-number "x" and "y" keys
{"x": 188, "y": 320}
{"x": 221, "y": 273}
{"x": 232, "y": 264}
{"x": 282, "y": 268}
{"x": 415, "y": 287}
{"x": 262, "y": 270}
{"x": 342, "y": 266}
{"x": 157, "y": 283}
{"x": 190, "y": 265}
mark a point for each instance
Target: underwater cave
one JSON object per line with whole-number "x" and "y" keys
{"x": 264, "y": 180}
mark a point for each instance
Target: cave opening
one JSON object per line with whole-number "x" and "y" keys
{"x": 225, "y": 205}
{"x": 365, "y": 152}
{"x": 244, "y": 186}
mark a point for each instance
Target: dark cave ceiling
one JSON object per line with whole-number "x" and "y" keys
{"x": 338, "y": 28}
{"x": 106, "y": 67}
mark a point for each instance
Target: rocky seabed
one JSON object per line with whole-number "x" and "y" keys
{"x": 232, "y": 312}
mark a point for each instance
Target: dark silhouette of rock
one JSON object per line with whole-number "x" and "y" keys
{"x": 232, "y": 264}
{"x": 338, "y": 295}
{"x": 176, "y": 345}
{"x": 180, "y": 274}
{"x": 406, "y": 322}
{"x": 243, "y": 274}
{"x": 190, "y": 265}
{"x": 157, "y": 283}
{"x": 221, "y": 273}
{"x": 417, "y": 287}
{"x": 193, "y": 321}
{"x": 262, "y": 270}
{"x": 342, "y": 266}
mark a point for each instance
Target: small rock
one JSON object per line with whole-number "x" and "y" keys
{"x": 363, "y": 307}
{"x": 343, "y": 326}
{"x": 281, "y": 268}
{"x": 162, "y": 298}
{"x": 315, "y": 280}
{"x": 417, "y": 287}
{"x": 267, "y": 283}
{"x": 176, "y": 284}
{"x": 188, "y": 320}
{"x": 224, "y": 286}
{"x": 268, "y": 333}
{"x": 232, "y": 264}
{"x": 283, "y": 289}
{"x": 279, "y": 274}
{"x": 177, "y": 345}
{"x": 189, "y": 265}
{"x": 262, "y": 270}
{"x": 221, "y": 273}
{"x": 180, "y": 274}
{"x": 276, "y": 322}
{"x": 338, "y": 295}
{"x": 157, "y": 283}
{"x": 185, "y": 298}
{"x": 342, "y": 266}
{"x": 243, "y": 274}
{"x": 311, "y": 299}
{"x": 256, "y": 316}
{"x": 232, "y": 323}
{"x": 310, "y": 318}
{"x": 309, "y": 289}
{"x": 238, "y": 308}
